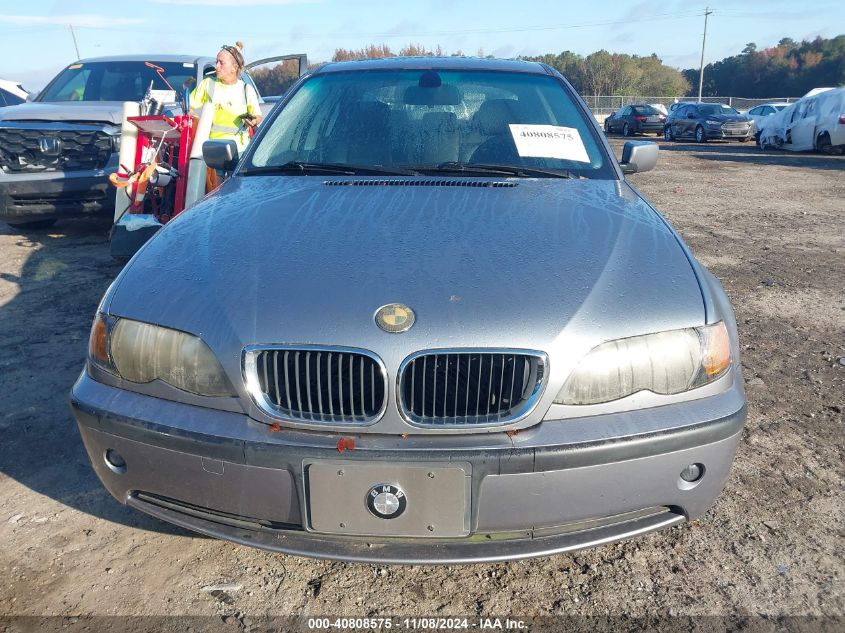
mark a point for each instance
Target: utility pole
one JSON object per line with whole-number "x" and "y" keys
{"x": 73, "y": 35}
{"x": 707, "y": 12}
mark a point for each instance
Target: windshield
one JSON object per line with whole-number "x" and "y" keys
{"x": 115, "y": 81}
{"x": 716, "y": 108}
{"x": 646, "y": 109}
{"x": 437, "y": 121}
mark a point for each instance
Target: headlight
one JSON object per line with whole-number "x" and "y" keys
{"x": 716, "y": 123}
{"x": 665, "y": 363}
{"x": 140, "y": 352}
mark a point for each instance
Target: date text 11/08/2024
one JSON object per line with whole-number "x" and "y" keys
{"x": 423, "y": 623}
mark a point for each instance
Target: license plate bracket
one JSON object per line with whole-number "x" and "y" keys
{"x": 418, "y": 499}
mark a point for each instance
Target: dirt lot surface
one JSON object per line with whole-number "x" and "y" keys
{"x": 770, "y": 225}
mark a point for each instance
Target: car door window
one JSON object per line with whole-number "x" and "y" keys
{"x": 74, "y": 88}
{"x": 248, "y": 80}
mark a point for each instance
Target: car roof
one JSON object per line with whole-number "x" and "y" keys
{"x": 437, "y": 63}
{"x": 156, "y": 57}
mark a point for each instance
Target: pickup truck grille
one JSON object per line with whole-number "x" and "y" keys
{"x": 470, "y": 388}
{"x": 27, "y": 150}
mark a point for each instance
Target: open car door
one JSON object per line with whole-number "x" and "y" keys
{"x": 272, "y": 76}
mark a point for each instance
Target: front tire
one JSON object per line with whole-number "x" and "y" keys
{"x": 823, "y": 144}
{"x": 668, "y": 135}
{"x": 699, "y": 135}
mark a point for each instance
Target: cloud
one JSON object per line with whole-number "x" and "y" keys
{"x": 78, "y": 20}
{"x": 623, "y": 37}
{"x": 646, "y": 8}
{"x": 691, "y": 60}
{"x": 504, "y": 52}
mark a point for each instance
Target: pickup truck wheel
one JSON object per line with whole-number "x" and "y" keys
{"x": 32, "y": 226}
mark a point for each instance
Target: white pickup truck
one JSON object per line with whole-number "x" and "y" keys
{"x": 58, "y": 150}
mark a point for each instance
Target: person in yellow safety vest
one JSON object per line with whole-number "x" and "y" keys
{"x": 236, "y": 108}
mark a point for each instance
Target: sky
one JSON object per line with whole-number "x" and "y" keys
{"x": 38, "y": 41}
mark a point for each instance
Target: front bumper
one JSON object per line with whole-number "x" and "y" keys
{"x": 729, "y": 135}
{"x": 645, "y": 128}
{"x": 537, "y": 493}
{"x": 29, "y": 197}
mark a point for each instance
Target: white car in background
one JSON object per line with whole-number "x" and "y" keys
{"x": 764, "y": 110}
{"x": 11, "y": 93}
{"x": 814, "y": 122}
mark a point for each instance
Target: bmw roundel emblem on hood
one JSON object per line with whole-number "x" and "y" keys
{"x": 395, "y": 318}
{"x": 386, "y": 501}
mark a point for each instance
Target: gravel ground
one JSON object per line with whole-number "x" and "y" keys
{"x": 770, "y": 225}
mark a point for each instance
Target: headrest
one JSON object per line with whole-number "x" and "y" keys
{"x": 445, "y": 94}
{"x": 443, "y": 120}
{"x": 368, "y": 113}
{"x": 494, "y": 116}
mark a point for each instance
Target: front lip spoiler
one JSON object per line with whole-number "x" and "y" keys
{"x": 399, "y": 551}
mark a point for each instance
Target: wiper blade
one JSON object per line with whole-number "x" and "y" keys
{"x": 300, "y": 167}
{"x": 505, "y": 170}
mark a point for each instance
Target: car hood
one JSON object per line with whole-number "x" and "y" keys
{"x": 99, "y": 111}
{"x": 546, "y": 264}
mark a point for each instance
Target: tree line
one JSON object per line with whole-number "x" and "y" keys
{"x": 788, "y": 69}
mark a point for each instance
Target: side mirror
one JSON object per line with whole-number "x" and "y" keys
{"x": 638, "y": 156}
{"x": 222, "y": 155}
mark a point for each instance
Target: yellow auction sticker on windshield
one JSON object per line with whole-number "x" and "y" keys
{"x": 74, "y": 66}
{"x": 549, "y": 141}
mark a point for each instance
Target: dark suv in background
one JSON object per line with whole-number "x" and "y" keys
{"x": 637, "y": 118}
{"x": 706, "y": 121}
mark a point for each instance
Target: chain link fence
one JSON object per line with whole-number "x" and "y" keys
{"x": 604, "y": 105}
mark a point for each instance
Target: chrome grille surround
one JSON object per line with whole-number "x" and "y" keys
{"x": 736, "y": 126}
{"x": 316, "y": 384}
{"x": 520, "y": 374}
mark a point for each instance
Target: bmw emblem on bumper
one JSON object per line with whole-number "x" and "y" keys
{"x": 395, "y": 318}
{"x": 386, "y": 501}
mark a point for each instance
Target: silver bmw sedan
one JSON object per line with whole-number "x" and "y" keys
{"x": 426, "y": 320}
